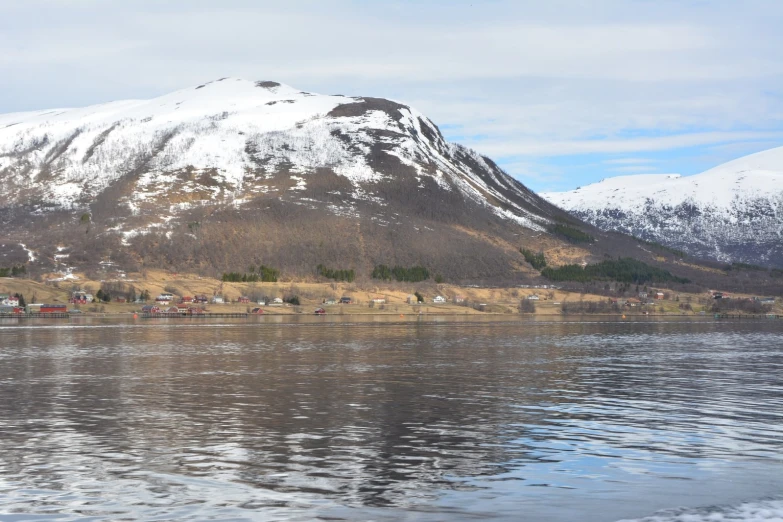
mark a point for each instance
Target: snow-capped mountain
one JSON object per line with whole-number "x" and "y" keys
{"x": 161, "y": 178}
{"x": 229, "y": 128}
{"x": 733, "y": 212}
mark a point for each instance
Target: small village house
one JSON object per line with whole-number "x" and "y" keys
{"x": 438, "y": 299}
{"x": 53, "y": 309}
{"x": 80, "y": 297}
{"x": 9, "y": 300}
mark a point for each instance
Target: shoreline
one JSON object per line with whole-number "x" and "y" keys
{"x": 387, "y": 318}
{"x": 369, "y": 298}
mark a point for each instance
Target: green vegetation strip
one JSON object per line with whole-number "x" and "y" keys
{"x": 263, "y": 274}
{"x": 413, "y": 274}
{"x": 13, "y": 271}
{"x": 571, "y": 234}
{"x": 536, "y": 260}
{"x": 624, "y": 270}
{"x": 664, "y": 248}
{"x": 337, "y": 275}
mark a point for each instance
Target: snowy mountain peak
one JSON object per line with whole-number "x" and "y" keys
{"x": 140, "y": 168}
{"x": 731, "y": 212}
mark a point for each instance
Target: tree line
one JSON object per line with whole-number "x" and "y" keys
{"x": 413, "y": 274}
{"x": 570, "y": 234}
{"x": 263, "y": 274}
{"x": 624, "y": 270}
{"x": 337, "y": 275}
{"x": 536, "y": 260}
{"x": 13, "y": 271}
{"x": 679, "y": 253}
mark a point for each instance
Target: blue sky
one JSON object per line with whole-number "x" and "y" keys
{"x": 560, "y": 93}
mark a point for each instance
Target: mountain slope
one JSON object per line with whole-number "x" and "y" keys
{"x": 235, "y": 172}
{"x": 733, "y": 212}
{"x": 232, "y": 174}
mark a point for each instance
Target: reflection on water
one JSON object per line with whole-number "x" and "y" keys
{"x": 350, "y": 420}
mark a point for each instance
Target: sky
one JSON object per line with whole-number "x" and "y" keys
{"x": 560, "y": 93}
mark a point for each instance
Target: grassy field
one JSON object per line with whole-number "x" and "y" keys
{"x": 313, "y": 294}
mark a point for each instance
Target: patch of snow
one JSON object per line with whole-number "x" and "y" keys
{"x": 30, "y": 254}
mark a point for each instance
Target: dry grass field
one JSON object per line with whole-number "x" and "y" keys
{"x": 312, "y": 295}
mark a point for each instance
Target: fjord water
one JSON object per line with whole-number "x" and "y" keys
{"x": 337, "y": 418}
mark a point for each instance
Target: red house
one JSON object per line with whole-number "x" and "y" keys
{"x": 243, "y": 299}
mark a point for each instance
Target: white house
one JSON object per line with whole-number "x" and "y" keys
{"x": 438, "y": 299}
{"x": 277, "y": 301}
{"x": 10, "y": 301}
{"x": 532, "y": 297}
{"x": 217, "y": 299}
{"x": 164, "y": 299}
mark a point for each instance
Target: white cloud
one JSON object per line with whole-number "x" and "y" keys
{"x": 560, "y": 148}
{"x": 638, "y": 169}
{"x": 628, "y": 161}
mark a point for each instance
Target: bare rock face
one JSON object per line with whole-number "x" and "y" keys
{"x": 731, "y": 213}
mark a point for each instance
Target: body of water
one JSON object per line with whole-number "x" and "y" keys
{"x": 334, "y": 418}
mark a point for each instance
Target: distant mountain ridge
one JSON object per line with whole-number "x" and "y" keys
{"x": 733, "y": 212}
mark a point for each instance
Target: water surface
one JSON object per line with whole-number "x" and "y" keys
{"x": 371, "y": 419}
